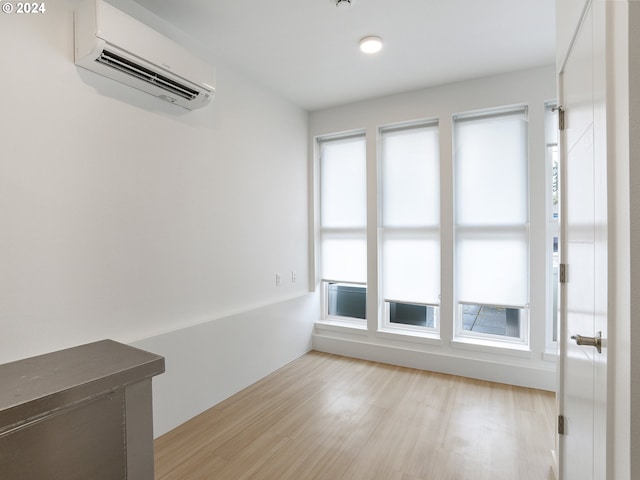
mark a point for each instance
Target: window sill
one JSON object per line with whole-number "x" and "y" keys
{"x": 424, "y": 338}
{"x": 491, "y": 346}
{"x": 338, "y": 325}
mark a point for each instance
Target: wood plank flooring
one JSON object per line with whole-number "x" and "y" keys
{"x": 335, "y": 418}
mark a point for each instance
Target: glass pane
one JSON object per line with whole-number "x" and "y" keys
{"x": 491, "y": 320}
{"x": 408, "y": 314}
{"x": 492, "y": 268}
{"x": 347, "y": 300}
{"x": 410, "y": 177}
{"x": 411, "y": 268}
{"x": 555, "y": 182}
{"x": 343, "y": 188}
{"x": 491, "y": 171}
{"x": 344, "y": 258}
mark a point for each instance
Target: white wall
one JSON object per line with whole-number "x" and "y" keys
{"x": 630, "y": 341}
{"x": 624, "y": 114}
{"x": 125, "y": 217}
{"x": 531, "y": 87}
{"x": 634, "y": 160}
{"x": 572, "y": 11}
{"x": 619, "y": 456}
{"x": 209, "y": 362}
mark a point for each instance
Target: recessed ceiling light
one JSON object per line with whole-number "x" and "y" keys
{"x": 371, "y": 44}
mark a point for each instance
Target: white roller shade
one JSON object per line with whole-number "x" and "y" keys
{"x": 491, "y": 170}
{"x": 343, "y": 209}
{"x": 410, "y": 190}
{"x": 410, "y": 177}
{"x": 492, "y": 209}
{"x": 344, "y": 257}
{"x": 492, "y": 268}
{"x": 343, "y": 187}
{"x": 411, "y": 268}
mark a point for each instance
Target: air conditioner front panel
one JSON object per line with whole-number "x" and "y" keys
{"x": 120, "y": 47}
{"x": 174, "y": 90}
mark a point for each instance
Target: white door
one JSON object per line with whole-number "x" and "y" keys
{"x": 584, "y": 252}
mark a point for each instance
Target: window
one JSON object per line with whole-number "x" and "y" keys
{"x": 343, "y": 226}
{"x": 553, "y": 229}
{"x": 410, "y": 220}
{"x": 481, "y": 248}
{"x": 491, "y": 224}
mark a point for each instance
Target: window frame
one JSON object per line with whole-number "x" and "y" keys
{"x": 337, "y": 231}
{"x": 459, "y": 333}
{"x": 421, "y": 231}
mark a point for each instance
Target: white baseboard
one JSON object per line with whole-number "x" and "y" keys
{"x": 543, "y": 378}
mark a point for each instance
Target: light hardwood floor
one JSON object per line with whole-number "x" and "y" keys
{"x": 336, "y": 418}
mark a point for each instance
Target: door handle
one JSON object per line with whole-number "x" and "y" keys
{"x": 590, "y": 341}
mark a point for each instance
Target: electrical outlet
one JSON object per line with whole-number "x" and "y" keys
{"x": 277, "y": 279}
{"x": 293, "y": 277}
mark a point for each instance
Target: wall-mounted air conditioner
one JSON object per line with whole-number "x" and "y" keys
{"x": 113, "y": 44}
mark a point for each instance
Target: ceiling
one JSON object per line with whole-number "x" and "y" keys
{"x": 307, "y": 50}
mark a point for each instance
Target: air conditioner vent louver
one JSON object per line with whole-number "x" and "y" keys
{"x": 149, "y": 76}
